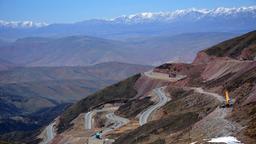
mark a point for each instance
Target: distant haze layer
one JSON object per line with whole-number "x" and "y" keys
{"x": 84, "y": 50}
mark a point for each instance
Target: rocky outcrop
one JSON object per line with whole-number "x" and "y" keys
{"x": 202, "y": 58}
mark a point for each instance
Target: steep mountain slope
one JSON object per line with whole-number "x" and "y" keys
{"x": 84, "y": 51}
{"x": 32, "y": 97}
{"x": 221, "y": 19}
{"x": 241, "y": 48}
{"x": 193, "y": 113}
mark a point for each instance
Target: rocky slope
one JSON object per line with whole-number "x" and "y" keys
{"x": 240, "y": 48}
{"x": 192, "y": 114}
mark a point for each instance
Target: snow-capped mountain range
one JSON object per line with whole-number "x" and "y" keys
{"x": 184, "y": 14}
{"x": 233, "y": 20}
{"x": 192, "y": 14}
{"x": 22, "y": 24}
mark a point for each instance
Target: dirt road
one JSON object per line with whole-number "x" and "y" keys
{"x": 200, "y": 90}
{"x": 163, "y": 76}
{"x": 144, "y": 116}
{"x": 117, "y": 122}
{"x": 215, "y": 124}
{"x": 88, "y": 120}
{"x": 49, "y": 134}
{"x": 88, "y": 124}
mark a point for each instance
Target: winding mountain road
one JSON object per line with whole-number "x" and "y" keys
{"x": 88, "y": 120}
{"x": 216, "y": 118}
{"x": 200, "y": 90}
{"x": 144, "y": 116}
{"x": 49, "y": 133}
{"x": 117, "y": 122}
{"x": 120, "y": 121}
{"x": 163, "y": 76}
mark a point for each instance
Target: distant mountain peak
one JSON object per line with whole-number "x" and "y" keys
{"x": 22, "y": 24}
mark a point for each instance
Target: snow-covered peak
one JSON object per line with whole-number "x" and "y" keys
{"x": 191, "y": 13}
{"x": 21, "y": 24}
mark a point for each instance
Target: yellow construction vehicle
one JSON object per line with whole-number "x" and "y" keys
{"x": 228, "y": 101}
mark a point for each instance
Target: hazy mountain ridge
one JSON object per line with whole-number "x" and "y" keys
{"x": 104, "y": 71}
{"x": 5, "y": 65}
{"x": 84, "y": 50}
{"x": 67, "y": 51}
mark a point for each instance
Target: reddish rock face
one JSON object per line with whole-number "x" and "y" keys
{"x": 247, "y": 54}
{"x": 202, "y": 58}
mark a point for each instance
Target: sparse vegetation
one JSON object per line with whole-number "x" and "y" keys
{"x": 133, "y": 107}
{"x": 172, "y": 123}
{"x": 159, "y": 141}
{"x": 234, "y": 47}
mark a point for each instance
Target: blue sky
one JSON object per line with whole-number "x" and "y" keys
{"x": 65, "y": 11}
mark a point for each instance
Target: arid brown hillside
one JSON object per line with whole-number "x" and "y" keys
{"x": 238, "y": 77}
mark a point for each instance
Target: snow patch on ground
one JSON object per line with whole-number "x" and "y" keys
{"x": 227, "y": 140}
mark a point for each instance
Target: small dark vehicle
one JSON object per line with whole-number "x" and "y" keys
{"x": 98, "y": 135}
